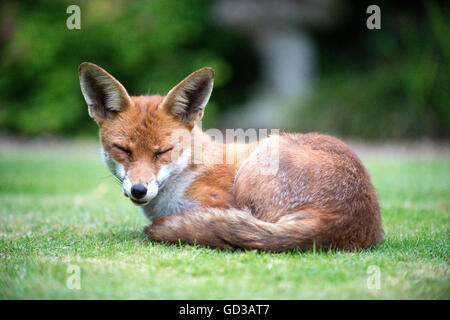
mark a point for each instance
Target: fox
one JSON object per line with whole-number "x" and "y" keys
{"x": 320, "y": 195}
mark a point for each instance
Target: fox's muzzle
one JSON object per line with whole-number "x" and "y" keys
{"x": 140, "y": 193}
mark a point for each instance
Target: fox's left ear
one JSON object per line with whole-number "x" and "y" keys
{"x": 187, "y": 100}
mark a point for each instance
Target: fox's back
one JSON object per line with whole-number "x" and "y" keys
{"x": 318, "y": 176}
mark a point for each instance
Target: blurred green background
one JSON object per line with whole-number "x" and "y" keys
{"x": 371, "y": 84}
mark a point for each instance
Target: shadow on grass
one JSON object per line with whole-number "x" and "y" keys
{"x": 373, "y": 250}
{"x": 117, "y": 236}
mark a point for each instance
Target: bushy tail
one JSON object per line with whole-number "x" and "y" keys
{"x": 235, "y": 228}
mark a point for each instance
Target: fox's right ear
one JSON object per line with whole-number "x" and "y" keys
{"x": 104, "y": 95}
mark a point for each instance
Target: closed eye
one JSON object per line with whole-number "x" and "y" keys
{"x": 128, "y": 152}
{"x": 159, "y": 154}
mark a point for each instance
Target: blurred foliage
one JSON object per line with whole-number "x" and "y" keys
{"x": 388, "y": 83}
{"x": 147, "y": 45}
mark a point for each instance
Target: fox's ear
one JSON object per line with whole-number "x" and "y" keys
{"x": 187, "y": 100}
{"x": 104, "y": 95}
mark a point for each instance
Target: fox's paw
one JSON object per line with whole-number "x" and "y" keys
{"x": 148, "y": 231}
{"x": 158, "y": 230}
{"x": 153, "y": 233}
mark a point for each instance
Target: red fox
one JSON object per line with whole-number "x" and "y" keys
{"x": 319, "y": 196}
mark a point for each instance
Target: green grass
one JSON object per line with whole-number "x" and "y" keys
{"x": 59, "y": 209}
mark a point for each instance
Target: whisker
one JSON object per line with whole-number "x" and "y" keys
{"x": 116, "y": 179}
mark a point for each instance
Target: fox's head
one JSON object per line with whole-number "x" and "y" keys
{"x": 144, "y": 138}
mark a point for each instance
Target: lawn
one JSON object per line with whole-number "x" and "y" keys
{"x": 61, "y": 211}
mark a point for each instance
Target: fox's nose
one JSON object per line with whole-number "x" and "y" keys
{"x": 138, "y": 191}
